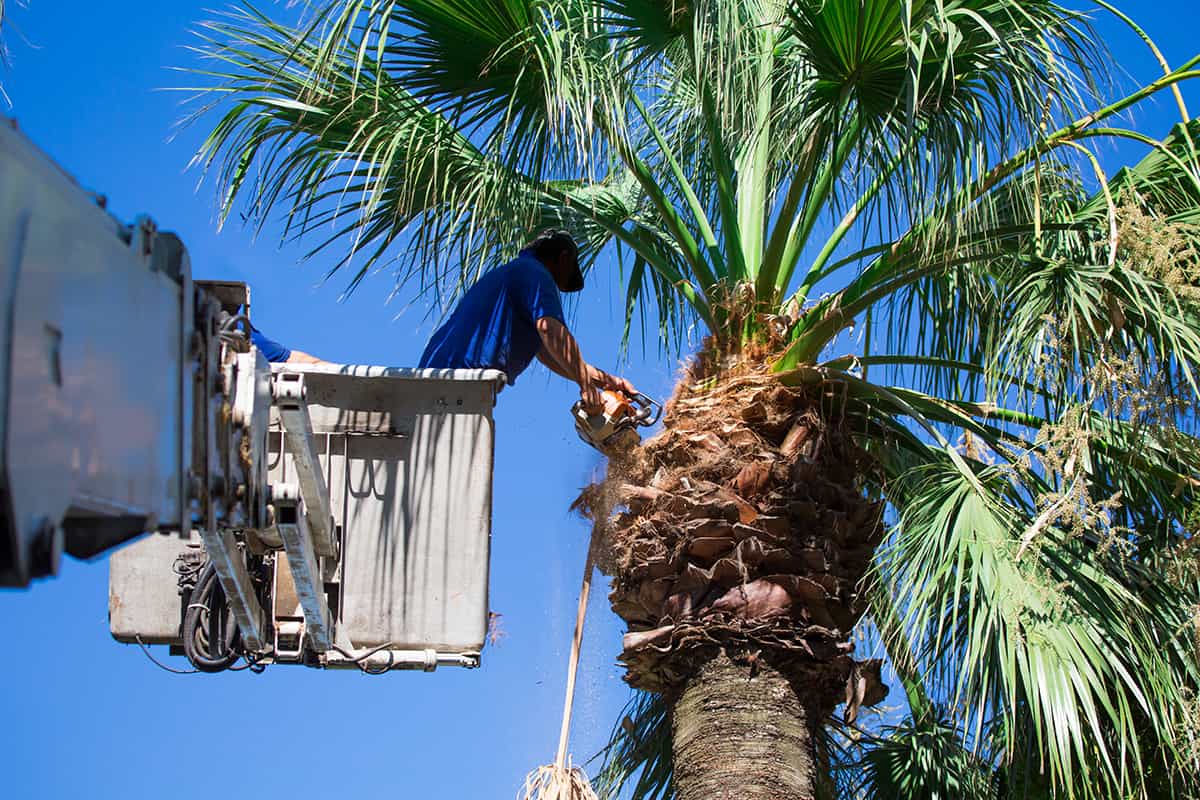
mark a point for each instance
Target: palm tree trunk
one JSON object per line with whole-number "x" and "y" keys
{"x": 737, "y": 736}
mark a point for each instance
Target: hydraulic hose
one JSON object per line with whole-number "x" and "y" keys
{"x": 211, "y": 639}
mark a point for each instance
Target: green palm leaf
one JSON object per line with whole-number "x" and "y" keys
{"x": 925, "y": 760}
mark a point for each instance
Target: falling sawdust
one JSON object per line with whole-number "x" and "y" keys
{"x": 495, "y": 629}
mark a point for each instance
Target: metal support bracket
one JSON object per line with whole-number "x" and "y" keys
{"x": 289, "y": 396}
{"x": 383, "y": 660}
{"x": 223, "y": 551}
{"x": 251, "y": 415}
{"x": 305, "y": 567}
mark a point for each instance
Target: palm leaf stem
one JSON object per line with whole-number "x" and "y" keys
{"x": 1106, "y": 191}
{"x": 819, "y": 190}
{"x": 1074, "y": 129}
{"x": 895, "y": 250}
{"x": 753, "y": 172}
{"x": 825, "y": 320}
{"x": 847, "y": 223}
{"x": 798, "y": 187}
{"x": 662, "y": 204}
{"x": 846, "y": 362}
{"x": 804, "y": 348}
{"x": 896, "y": 397}
{"x": 685, "y": 186}
{"x": 724, "y": 172}
{"x": 1192, "y": 173}
{"x": 810, "y": 339}
{"x": 1158, "y": 55}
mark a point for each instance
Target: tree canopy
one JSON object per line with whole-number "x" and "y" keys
{"x": 899, "y": 202}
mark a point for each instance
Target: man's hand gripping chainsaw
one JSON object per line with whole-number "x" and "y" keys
{"x": 614, "y": 428}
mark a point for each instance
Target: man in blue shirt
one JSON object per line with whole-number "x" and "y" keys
{"x": 513, "y": 314}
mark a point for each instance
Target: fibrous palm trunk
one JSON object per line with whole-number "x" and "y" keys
{"x": 738, "y": 539}
{"x": 737, "y": 735}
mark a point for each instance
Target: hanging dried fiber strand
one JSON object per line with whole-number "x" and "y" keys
{"x": 561, "y": 781}
{"x": 558, "y": 783}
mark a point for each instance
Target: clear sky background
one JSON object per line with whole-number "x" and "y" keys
{"x": 83, "y": 716}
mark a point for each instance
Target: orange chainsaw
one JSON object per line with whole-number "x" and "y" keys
{"x": 615, "y": 428}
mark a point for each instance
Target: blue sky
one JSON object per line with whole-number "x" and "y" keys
{"x": 85, "y": 716}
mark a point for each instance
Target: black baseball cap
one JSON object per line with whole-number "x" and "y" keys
{"x": 549, "y": 243}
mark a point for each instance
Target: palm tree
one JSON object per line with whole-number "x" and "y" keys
{"x": 947, "y": 366}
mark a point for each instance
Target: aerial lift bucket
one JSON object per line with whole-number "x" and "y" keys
{"x": 405, "y": 460}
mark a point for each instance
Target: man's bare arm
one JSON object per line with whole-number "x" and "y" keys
{"x": 598, "y": 376}
{"x": 300, "y": 357}
{"x": 543, "y": 355}
{"x": 556, "y": 354}
{"x": 560, "y": 347}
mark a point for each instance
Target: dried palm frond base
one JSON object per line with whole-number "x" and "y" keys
{"x": 558, "y": 783}
{"x": 742, "y": 527}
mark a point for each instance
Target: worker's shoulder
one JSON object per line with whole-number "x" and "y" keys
{"x": 495, "y": 279}
{"x": 505, "y": 278}
{"x": 525, "y": 269}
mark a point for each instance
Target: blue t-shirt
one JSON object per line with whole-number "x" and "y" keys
{"x": 272, "y": 350}
{"x": 495, "y": 324}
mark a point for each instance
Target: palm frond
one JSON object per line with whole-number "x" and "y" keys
{"x": 638, "y": 754}
{"x": 925, "y": 760}
{"x": 1030, "y": 640}
{"x": 361, "y": 170}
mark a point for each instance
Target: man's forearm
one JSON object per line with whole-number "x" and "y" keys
{"x": 596, "y": 375}
{"x": 560, "y": 353}
{"x": 552, "y": 364}
{"x": 301, "y": 357}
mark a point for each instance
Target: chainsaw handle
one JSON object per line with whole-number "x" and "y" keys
{"x": 650, "y": 410}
